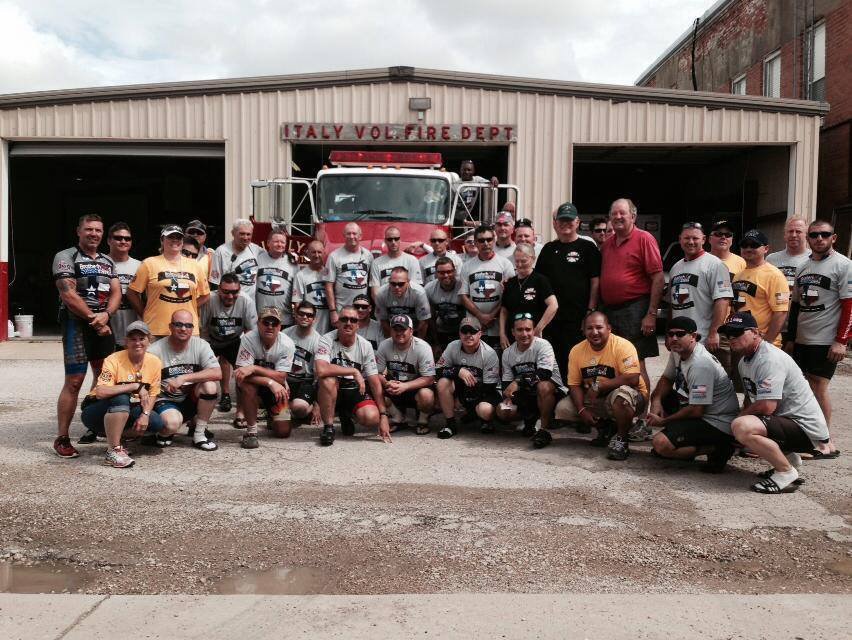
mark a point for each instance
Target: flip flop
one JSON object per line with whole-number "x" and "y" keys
{"x": 768, "y": 474}
{"x": 206, "y": 445}
{"x": 423, "y": 429}
{"x": 769, "y": 485}
{"x": 816, "y": 454}
{"x": 239, "y": 423}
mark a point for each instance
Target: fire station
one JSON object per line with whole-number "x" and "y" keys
{"x": 173, "y": 152}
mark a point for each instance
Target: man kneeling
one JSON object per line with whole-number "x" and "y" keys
{"x": 531, "y": 379}
{"x": 407, "y": 370}
{"x": 124, "y": 395}
{"x": 263, "y": 362}
{"x": 468, "y": 371}
{"x": 604, "y": 381}
{"x": 188, "y": 377}
{"x": 698, "y": 397}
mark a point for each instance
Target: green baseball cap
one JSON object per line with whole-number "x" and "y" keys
{"x": 567, "y": 211}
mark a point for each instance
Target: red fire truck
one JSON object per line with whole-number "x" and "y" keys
{"x": 407, "y": 189}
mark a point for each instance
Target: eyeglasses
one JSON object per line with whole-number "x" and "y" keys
{"x": 692, "y": 225}
{"x": 122, "y": 238}
{"x": 361, "y": 307}
{"x": 750, "y": 245}
{"x": 526, "y": 315}
{"x": 468, "y": 331}
{"x": 304, "y": 314}
{"x": 676, "y": 333}
{"x": 270, "y": 322}
{"x": 437, "y": 239}
{"x": 229, "y": 292}
{"x": 396, "y": 239}
{"x": 484, "y": 240}
{"x": 182, "y": 325}
{"x": 188, "y": 254}
{"x": 349, "y": 319}
{"x": 397, "y": 284}
{"x": 820, "y": 234}
{"x": 722, "y": 234}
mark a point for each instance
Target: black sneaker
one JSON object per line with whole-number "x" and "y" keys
{"x": 542, "y": 438}
{"x": 224, "y": 405}
{"x": 487, "y": 428}
{"x": 446, "y": 432}
{"x": 327, "y": 436}
{"x": 347, "y": 426}
{"x": 618, "y": 449}
{"x": 529, "y": 427}
{"x": 605, "y": 433}
{"x": 88, "y": 438}
{"x": 717, "y": 460}
{"x": 468, "y": 417}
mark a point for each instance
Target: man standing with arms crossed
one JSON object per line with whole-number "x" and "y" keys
{"x": 347, "y": 272}
{"x": 308, "y": 285}
{"x": 90, "y": 294}
{"x": 275, "y": 275}
{"x": 795, "y": 252}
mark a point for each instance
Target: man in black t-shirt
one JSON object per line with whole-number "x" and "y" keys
{"x": 573, "y": 266}
{"x": 526, "y": 292}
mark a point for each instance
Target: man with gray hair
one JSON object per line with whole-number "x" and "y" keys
{"x": 347, "y": 271}
{"x": 239, "y": 256}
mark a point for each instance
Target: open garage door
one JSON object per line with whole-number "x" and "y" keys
{"x": 51, "y": 185}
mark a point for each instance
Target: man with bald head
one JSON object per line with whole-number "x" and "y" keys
{"x": 347, "y": 271}
{"x": 795, "y": 252}
{"x": 382, "y": 266}
{"x": 237, "y": 256}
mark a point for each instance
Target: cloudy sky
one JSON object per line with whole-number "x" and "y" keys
{"x": 48, "y": 44}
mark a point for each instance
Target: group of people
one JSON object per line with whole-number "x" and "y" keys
{"x": 509, "y": 331}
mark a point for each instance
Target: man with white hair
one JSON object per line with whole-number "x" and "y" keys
{"x": 347, "y": 271}
{"x": 239, "y": 255}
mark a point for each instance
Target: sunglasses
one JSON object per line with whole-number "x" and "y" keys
{"x": 601, "y": 230}
{"x": 397, "y": 284}
{"x": 750, "y": 245}
{"x": 820, "y": 234}
{"x": 676, "y": 333}
{"x": 349, "y": 319}
{"x": 437, "y": 239}
{"x": 468, "y": 331}
{"x": 270, "y": 322}
{"x": 484, "y": 240}
{"x": 526, "y": 315}
{"x": 182, "y": 325}
{"x": 188, "y": 254}
{"x": 722, "y": 234}
{"x": 303, "y": 314}
{"x": 692, "y": 225}
{"x": 122, "y": 238}
{"x": 361, "y": 307}
{"x": 229, "y": 292}
{"x": 196, "y": 232}
{"x": 392, "y": 239}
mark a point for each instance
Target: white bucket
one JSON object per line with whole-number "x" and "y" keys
{"x": 24, "y": 326}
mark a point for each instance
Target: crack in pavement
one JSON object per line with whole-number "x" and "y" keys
{"x": 81, "y": 617}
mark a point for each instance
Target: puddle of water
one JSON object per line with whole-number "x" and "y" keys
{"x": 45, "y": 577}
{"x": 278, "y": 581}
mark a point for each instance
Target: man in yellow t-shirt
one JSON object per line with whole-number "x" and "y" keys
{"x": 761, "y": 288}
{"x": 604, "y": 381}
{"x": 171, "y": 282}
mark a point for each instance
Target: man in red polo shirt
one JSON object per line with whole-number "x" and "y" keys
{"x": 632, "y": 282}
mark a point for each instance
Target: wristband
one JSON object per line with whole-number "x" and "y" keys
{"x": 580, "y": 412}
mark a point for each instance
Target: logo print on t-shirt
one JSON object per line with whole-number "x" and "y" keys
{"x": 572, "y": 256}
{"x": 355, "y": 276}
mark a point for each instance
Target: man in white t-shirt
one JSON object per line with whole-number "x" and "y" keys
{"x": 382, "y": 266}
{"x": 239, "y": 256}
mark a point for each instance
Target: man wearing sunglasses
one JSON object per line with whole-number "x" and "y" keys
{"x": 275, "y": 275}
{"x": 349, "y": 385}
{"x": 301, "y": 380}
{"x": 120, "y": 241}
{"x": 482, "y": 282}
{"x": 532, "y": 384}
{"x": 440, "y": 243}
{"x": 239, "y": 255}
{"x": 468, "y": 371}
{"x": 368, "y": 327}
{"x": 601, "y": 229}
{"x": 382, "y": 266}
{"x": 347, "y": 272}
{"x": 761, "y": 289}
{"x": 264, "y": 360}
{"x": 188, "y": 380}
{"x": 780, "y": 417}
{"x": 400, "y": 297}
{"x": 197, "y": 230}
{"x": 721, "y": 240}
{"x": 407, "y": 372}
{"x": 309, "y": 286}
{"x": 821, "y": 315}
{"x": 694, "y": 401}
{"x": 699, "y": 286}
{"x": 525, "y": 234}
{"x": 446, "y": 305}
{"x": 229, "y": 314}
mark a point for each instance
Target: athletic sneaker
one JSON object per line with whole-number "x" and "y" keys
{"x": 529, "y": 427}
{"x": 327, "y": 436}
{"x": 88, "y": 438}
{"x": 640, "y": 432}
{"x": 250, "y": 441}
{"x": 118, "y": 457}
{"x": 542, "y": 438}
{"x": 618, "y": 449}
{"x": 717, "y": 459}
{"x": 605, "y": 432}
{"x": 347, "y": 426}
{"x": 446, "y": 432}
{"x": 224, "y": 405}
{"x": 486, "y": 427}
{"x": 63, "y": 447}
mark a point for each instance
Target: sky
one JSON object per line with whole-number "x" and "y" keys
{"x": 48, "y": 45}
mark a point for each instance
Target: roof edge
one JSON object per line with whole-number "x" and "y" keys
{"x": 616, "y": 93}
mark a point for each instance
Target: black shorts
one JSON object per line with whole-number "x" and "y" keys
{"x": 187, "y": 407}
{"x": 527, "y": 401}
{"x": 694, "y": 432}
{"x": 81, "y": 344}
{"x": 349, "y": 400}
{"x": 469, "y": 397}
{"x": 813, "y": 359}
{"x": 228, "y": 351}
{"x": 626, "y": 321}
{"x": 406, "y": 400}
{"x": 787, "y": 433}
{"x": 302, "y": 390}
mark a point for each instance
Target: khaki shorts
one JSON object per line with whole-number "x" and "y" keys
{"x": 567, "y": 412}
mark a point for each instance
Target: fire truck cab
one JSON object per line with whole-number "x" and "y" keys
{"x": 376, "y": 189}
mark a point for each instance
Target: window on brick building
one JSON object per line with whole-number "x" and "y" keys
{"x": 772, "y": 76}
{"x": 738, "y": 86}
{"x": 816, "y": 42}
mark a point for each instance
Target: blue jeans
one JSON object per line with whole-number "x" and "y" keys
{"x": 94, "y": 413}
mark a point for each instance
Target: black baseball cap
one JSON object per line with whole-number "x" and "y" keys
{"x": 722, "y": 224}
{"x": 684, "y": 323}
{"x": 737, "y": 323}
{"x": 523, "y": 222}
{"x": 402, "y": 320}
{"x": 755, "y": 235}
{"x": 566, "y": 211}
{"x": 196, "y": 224}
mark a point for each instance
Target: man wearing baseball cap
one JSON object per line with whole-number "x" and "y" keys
{"x": 761, "y": 289}
{"x": 198, "y": 230}
{"x": 407, "y": 372}
{"x": 525, "y": 234}
{"x": 694, "y": 401}
{"x": 780, "y": 417}
{"x": 504, "y": 224}
{"x": 468, "y": 370}
{"x": 263, "y": 362}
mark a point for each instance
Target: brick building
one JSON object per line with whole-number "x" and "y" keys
{"x": 777, "y": 48}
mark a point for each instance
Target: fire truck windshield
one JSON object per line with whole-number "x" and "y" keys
{"x": 388, "y": 197}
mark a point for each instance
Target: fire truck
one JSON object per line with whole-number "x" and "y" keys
{"x": 406, "y": 189}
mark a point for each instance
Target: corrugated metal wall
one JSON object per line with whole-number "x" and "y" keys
{"x": 540, "y": 161}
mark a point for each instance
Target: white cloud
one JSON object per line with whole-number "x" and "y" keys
{"x": 46, "y": 44}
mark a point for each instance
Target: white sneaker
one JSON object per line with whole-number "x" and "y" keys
{"x": 118, "y": 458}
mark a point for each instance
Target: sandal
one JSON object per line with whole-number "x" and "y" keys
{"x": 769, "y": 485}
{"x": 816, "y": 454}
{"x": 446, "y": 432}
{"x": 206, "y": 445}
{"x": 768, "y": 474}
{"x": 239, "y": 423}
{"x": 423, "y": 429}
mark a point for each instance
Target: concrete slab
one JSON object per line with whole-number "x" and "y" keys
{"x": 33, "y": 617}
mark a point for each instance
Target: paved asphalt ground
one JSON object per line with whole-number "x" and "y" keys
{"x": 477, "y": 536}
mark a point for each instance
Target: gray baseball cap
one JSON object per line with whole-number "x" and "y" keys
{"x": 137, "y": 325}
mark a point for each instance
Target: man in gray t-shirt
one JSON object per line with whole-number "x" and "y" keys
{"x": 120, "y": 242}
{"x": 482, "y": 279}
{"x": 275, "y": 274}
{"x": 188, "y": 379}
{"x": 694, "y": 401}
{"x": 347, "y": 271}
{"x": 407, "y": 369}
{"x": 446, "y": 305}
{"x": 700, "y": 287}
{"x": 532, "y": 384}
{"x": 400, "y": 297}
{"x": 780, "y": 414}
{"x": 239, "y": 255}
{"x": 380, "y": 270}
{"x": 301, "y": 377}
{"x": 309, "y": 286}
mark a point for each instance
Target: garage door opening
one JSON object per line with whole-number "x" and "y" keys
{"x": 672, "y": 185}
{"x": 48, "y": 193}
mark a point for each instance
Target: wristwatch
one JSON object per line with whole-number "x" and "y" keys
{"x": 146, "y": 413}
